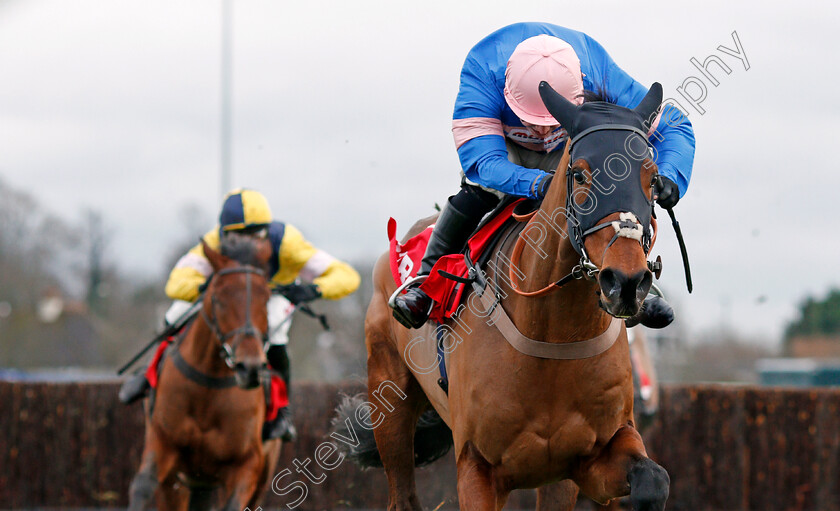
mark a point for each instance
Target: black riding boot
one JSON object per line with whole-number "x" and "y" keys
{"x": 456, "y": 222}
{"x": 134, "y": 388}
{"x": 655, "y": 313}
{"x": 281, "y": 426}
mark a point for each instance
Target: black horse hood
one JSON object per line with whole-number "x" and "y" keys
{"x": 613, "y": 141}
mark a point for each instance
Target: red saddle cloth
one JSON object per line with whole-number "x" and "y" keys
{"x": 278, "y": 395}
{"x": 447, "y": 293}
{"x": 153, "y": 370}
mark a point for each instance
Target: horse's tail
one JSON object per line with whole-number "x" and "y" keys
{"x": 432, "y": 437}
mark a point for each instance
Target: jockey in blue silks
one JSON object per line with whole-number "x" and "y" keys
{"x": 508, "y": 142}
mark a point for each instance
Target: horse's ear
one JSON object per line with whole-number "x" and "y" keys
{"x": 217, "y": 260}
{"x": 650, "y": 103}
{"x": 563, "y": 110}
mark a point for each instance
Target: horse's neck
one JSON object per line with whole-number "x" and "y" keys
{"x": 201, "y": 349}
{"x": 570, "y": 313}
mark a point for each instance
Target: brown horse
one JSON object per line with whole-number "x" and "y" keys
{"x": 537, "y": 414}
{"x": 203, "y": 446}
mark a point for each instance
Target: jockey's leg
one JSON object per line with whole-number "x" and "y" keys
{"x": 655, "y": 313}
{"x": 279, "y": 321}
{"x": 456, "y": 222}
{"x": 137, "y": 386}
{"x": 134, "y": 388}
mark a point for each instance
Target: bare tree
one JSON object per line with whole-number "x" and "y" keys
{"x": 98, "y": 238}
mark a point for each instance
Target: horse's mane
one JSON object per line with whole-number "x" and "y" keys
{"x": 599, "y": 94}
{"x": 243, "y": 249}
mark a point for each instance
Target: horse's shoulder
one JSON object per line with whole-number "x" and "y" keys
{"x": 418, "y": 227}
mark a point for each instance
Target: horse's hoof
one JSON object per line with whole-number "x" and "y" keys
{"x": 648, "y": 486}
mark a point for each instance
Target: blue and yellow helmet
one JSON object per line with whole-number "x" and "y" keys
{"x": 244, "y": 209}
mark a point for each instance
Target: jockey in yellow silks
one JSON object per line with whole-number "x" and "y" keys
{"x": 307, "y": 272}
{"x": 247, "y": 211}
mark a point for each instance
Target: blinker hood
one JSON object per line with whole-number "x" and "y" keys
{"x": 613, "y": 141}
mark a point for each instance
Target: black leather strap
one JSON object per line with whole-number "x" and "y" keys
{"x": 196, "y": 376}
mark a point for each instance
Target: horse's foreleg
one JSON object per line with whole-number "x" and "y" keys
{"x": 560, "y": 496}
{"x": 201, "y": 499}
{"x": 242, "y": 481}
{"x": 143, "y": 485}
{"x": 271, "y": 450}
{"x": 621, "y": 468}
{"x": 478, "y": 489}
{"x": 395, "y": 434}
{"x": 172, "y": 496}
{"x": 156, "y": 466}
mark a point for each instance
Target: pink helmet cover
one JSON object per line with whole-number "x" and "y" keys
{"x": 541, "y": 58}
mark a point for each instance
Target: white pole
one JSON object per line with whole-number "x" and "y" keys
{"x": 227, "y": 99}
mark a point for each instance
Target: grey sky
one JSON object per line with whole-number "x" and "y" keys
{"x": 342, "y": 118}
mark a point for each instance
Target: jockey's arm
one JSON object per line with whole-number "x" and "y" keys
{"x": 298, "y": 258}
{"x": 485, "y": 161}
{"x": 191, "y": 271}
{"x": 480, "y": 139}
{"x": 672, "y": 135}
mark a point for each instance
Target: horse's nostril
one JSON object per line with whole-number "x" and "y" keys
{"x": 643, "y": 287}
{"x": 611, "y": 283}
{"x": 247, "y": 375}
{"x": 620, "y": 288}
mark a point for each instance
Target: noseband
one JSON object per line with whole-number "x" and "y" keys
{"x": 227, "y": 351}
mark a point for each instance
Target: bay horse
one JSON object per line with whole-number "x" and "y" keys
{"x": 558, "y": 408}
{"x": 203, "y": 444}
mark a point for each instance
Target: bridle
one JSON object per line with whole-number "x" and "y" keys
{"x": 627, "y": 226}
{"x": 228, "y": 351}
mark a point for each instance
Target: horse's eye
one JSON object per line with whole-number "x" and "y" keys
{"x": 579, "y": 177}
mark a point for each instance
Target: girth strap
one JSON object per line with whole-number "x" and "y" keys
{"x": 196, "y": 376}
{"x": 557, "y": 351}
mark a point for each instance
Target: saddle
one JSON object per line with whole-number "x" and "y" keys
{"x": 451, "y": 274}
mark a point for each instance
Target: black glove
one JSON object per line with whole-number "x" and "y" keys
{"x": 667, "y": 192}
{"x": 203, "y": 286}
{"x": 301, "y": 293}
{"x": 541, "y": 185}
